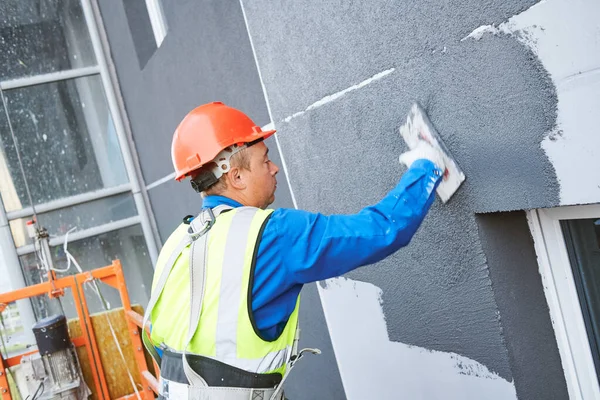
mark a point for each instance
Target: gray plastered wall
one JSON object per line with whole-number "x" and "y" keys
{"x": 340, "y": 78}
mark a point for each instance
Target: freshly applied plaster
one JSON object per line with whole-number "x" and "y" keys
{"x": 416, "y": 372}
{"x": 565, "y": 36}
{"x": 493, "y": 103}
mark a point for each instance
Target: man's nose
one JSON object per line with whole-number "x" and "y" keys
{"x": 275, "y": 169}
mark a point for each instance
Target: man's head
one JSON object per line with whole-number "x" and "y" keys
{"x": 223, "y": 152}
{"x": 251, "y": 179}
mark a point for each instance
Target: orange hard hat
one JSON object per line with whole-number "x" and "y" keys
{"x": 206, "y": 131}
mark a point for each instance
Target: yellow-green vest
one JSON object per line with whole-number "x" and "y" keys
{"x": 226, "y": 331}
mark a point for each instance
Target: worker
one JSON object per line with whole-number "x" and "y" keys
{"x": 225, "y": 297}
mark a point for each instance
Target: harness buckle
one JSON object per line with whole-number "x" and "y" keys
{"x": 207, "y": 219}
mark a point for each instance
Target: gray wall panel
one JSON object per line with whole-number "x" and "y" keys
{"x": 526, "y": 324}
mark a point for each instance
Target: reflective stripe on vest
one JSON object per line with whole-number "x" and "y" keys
{"x": 225, "y": 332}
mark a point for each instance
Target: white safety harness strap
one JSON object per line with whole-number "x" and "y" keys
{"x": 198, "y": 227}
{"x": 197, "y": 270}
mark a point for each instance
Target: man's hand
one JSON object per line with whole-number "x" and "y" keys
{"x": 423, "y": 150}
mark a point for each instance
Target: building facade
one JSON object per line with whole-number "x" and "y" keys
{"x": 498, "y": 294}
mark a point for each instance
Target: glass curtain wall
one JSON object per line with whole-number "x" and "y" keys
{"x": 60, "y": 156}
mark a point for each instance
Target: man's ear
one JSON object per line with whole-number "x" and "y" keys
{"x": 235, "y": 179}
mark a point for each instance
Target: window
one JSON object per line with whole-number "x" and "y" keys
{"x": 582, "y": 238}
{"x": 147, "y": 26}
{"x": 66, "y": 140}
{"x": 63, "y": 158}
{"x": 41, "y": 36}
{"x": 567, "y": 242}
{"x": 126, "y": 244}
{"x": 157, "y": 20}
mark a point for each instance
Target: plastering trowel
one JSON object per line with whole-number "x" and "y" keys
{"x": 417, "y": 128}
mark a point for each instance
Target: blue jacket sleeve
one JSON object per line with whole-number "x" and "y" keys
{"x": 321, "y": 247}
{"x": 299, "y": 247}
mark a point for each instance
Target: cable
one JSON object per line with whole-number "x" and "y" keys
{"x": 35, "y": 395}
{"x": 105, "y": 305}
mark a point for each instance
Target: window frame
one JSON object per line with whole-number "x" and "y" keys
{"x": 133, "y": 185}
{"x": 563, "y": 298}
{"x": 158, "y": 22}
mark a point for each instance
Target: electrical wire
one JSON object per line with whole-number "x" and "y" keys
{"x": 4, "y": 348}
{"x": 35, "y": 395}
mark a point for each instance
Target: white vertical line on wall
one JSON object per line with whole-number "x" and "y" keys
{"x": 262, "y": 83}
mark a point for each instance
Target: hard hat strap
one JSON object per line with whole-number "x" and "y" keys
{"x": 223, "y": 159}
{"x": 222, "y": 165}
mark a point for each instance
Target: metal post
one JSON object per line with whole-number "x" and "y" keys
{"x": 122, "y": 137}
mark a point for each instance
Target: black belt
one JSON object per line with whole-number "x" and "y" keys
{"x": 214, "y": 372}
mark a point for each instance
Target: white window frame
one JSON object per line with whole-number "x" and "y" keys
{"x": 562, "y": 297}
{"x": 157, "y": 20}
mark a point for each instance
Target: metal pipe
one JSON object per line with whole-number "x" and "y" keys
{"x": 122, "y": 137}
{"x": 50, "y": 77}
{"x": 84, "y": 233}
{"x": 69, "y": 201}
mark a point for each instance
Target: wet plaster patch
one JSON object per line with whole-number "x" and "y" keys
{"x": 492, "y": 101}
{"x": 493, "y": 111}
{"x": 417, "y": 373}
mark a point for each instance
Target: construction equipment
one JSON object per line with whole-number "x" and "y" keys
{"x": 419, "y": 128}
{"x": 111, "y": 275}
{"x": 54, "y": 371}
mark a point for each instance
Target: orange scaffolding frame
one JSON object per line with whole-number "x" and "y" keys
{"x": 111, "y": 275}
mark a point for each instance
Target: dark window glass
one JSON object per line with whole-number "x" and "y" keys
{"x": 582, "y": 238}
{"x": 42, "y": 36}
{"x": 66, "y": 139}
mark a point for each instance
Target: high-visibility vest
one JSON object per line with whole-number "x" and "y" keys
{"x": 226, "y": 331}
